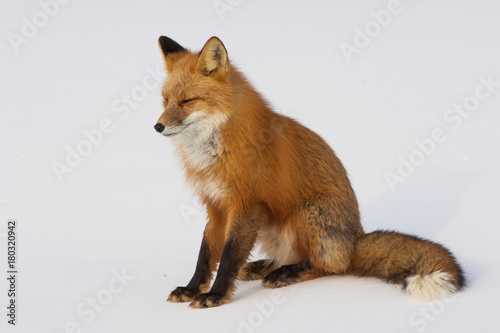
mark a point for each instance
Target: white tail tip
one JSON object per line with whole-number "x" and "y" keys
{"x": 437, "y": 285}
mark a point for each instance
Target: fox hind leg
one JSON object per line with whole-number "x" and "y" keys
{"x": 331, "y": 228}
{"x": 328, "y": 227}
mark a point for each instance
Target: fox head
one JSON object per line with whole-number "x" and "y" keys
{"x": 197, "y": 94}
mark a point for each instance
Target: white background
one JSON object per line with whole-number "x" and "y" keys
{"x": 125, "y": 208}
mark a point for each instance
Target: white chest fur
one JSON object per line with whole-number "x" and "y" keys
{"x": 208, "y": 186}
{"x": 200, "y": 145}
{"x": 200, "y": 142}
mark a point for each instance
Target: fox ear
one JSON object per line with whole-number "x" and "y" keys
{"x": 168, "y": 45}
{"x": 213, "y": 58}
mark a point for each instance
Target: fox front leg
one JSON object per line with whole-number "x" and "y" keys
{"x": 200, "y": 280}
{"x": 241, "y": 238}
{"x": 208, "y": 258}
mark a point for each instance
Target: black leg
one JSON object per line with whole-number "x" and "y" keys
{"x": 240, "y": 242}
{"x": 200, "y": 280}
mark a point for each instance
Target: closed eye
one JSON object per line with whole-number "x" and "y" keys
{"x": 188, "y": 100}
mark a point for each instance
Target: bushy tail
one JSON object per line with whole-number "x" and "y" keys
{"x": 426, "y": 270}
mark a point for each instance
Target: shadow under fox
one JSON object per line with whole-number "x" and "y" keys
{"x": 290, "y": 192}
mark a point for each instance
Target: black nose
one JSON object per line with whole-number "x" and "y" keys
{"x": 159, "y": 128}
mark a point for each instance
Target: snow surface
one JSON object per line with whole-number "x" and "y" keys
{"x": 125, "y": 210}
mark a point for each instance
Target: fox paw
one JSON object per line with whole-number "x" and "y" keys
{"x": 208, "y": 300}
{"x": 182, "y": 294}
{"x": 281, "y": 277}
{"x": 255, "y": 270}
{"x": 249, "y": 272}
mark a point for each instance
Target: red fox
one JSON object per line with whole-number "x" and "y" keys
{"x": 263, "y": 177}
